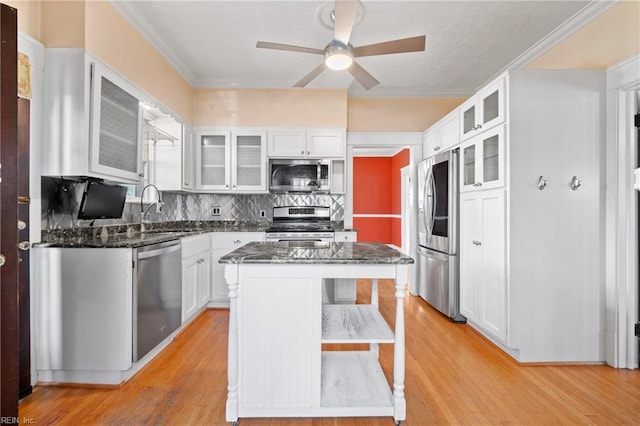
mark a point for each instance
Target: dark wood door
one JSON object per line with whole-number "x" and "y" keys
{"x": 24, "y": 308}
{"x": 8, "y": 212}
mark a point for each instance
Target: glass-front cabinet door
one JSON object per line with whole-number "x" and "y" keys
{"x": 483, "y": 111}
{"x": 491, "y": 105}
{"x": 249, "y": 164}
{"x": 213, "y": 157}
{"x": 116, "y": 130}
{"x": 482, "y": 161}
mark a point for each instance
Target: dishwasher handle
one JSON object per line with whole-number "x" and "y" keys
{"x": 159, "y": 251}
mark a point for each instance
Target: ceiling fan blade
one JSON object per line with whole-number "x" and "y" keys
{"x": 288, "y": 47}
{"x": 404, "y": 45}
{"x": 313, "y": 74}
{"x": 362, "y": 76}
{"x": 345, "y": 17}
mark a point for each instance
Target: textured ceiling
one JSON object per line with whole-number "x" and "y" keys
{"x": 212, "y": 43}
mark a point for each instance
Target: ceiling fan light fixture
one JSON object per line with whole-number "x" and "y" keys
{"x": 337, "y": 56}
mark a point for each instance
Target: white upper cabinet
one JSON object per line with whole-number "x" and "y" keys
{"x": 483, "y": 110}
{"x": 482, "y": 161}
{"x": 94, "y": 121}
{"x": 213, "y": 160}
{"x": 442, "y": 135}
{"x": 287, "y": 143}
{"x": 312, "y": 143}
{"x": 188, "y": 159}
{"x": 116, "y": 123}
{"x": 231, "y": 161}
{"x": 248, "y": 161}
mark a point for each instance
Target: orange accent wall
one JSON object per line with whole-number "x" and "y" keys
{"x": 371, "y": 185}
{"x": 376, "y": 190}
{"x": 373, "y": 229}
{"x": 396, "y": 232}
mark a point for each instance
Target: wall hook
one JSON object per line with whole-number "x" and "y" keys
{"x": 542, "y": 182}
{"x": 575, "y": 183}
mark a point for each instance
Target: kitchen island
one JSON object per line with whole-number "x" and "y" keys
{"x": 278, "y": 324}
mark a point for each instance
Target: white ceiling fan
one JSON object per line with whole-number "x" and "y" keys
{"x": 339, "y": 54}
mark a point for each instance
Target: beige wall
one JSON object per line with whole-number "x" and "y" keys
{"x": 28, "y": 16}
{"x": 607, "y": 40}
{"x": 115, "y": 41}
{"x": 262, "y": 107}
{"x": 397, "y": 115}
{"x": 63, "y": 23}
{"x": 96, "y": 25}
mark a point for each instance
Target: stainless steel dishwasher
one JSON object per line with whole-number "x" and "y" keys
{"x": 157, "y": 295}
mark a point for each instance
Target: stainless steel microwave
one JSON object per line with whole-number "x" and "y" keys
{"x": 288, "y": 175}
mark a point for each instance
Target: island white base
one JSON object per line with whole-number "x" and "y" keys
{"x": 277, "y": 325}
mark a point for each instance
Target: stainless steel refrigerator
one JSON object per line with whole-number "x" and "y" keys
{"x": 438, "y": 267}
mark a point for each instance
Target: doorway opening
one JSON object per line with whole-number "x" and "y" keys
{"x": 377, "y": 195}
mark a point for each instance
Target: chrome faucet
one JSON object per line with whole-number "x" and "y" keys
{"x": 144, "y": 212}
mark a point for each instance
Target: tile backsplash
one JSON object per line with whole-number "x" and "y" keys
{"x": 61, "y": 202}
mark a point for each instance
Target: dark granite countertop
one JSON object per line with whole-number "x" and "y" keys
{"x": 316, "y": 253}
{"x": 131, "y": 235}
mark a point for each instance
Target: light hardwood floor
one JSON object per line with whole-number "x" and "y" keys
{"x": 453, "y": 376}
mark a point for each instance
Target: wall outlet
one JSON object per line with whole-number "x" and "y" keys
{"x": 215, "y": 211}
{"x": 263, "y": 213}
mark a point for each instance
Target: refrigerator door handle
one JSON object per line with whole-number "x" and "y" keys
{"x": 426, "y": 206}
{"x": 432, "y": 213}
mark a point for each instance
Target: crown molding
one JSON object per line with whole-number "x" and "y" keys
{"x": 137, "y": 19}
{"x": 588, "y": 13}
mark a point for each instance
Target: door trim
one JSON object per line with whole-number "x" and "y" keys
{"x": 621, "y": 245}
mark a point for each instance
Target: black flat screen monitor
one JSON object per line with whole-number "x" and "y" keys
{"x": 102, "y": 201}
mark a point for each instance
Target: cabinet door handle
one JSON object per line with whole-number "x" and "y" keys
{"x": 237, "y": 242}
{"x": 436, "y": 148}
{"x": 476, "y": 243}
{"x": 477, "y": 184}
{"x": 302, "y": 152}
{"x": 308, "y": 152}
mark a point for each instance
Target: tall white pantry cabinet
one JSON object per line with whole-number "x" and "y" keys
{"x": 531, "y": 251}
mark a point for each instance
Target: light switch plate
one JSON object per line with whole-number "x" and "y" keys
{"x": 215, "y": 211}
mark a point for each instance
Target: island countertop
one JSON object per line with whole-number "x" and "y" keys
{"x": 303, "y": 252}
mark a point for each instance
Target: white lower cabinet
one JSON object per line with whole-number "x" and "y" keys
{"x": 483, "y": 290}
{"x": 196, "y": 275}
{"x": 221, "y": 244}
{"x": 345, "y": 236}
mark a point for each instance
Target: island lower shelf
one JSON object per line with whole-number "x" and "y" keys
{"x": 353, "y": 381}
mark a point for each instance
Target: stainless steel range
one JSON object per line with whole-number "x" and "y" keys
{"x": 292, "y": 223}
